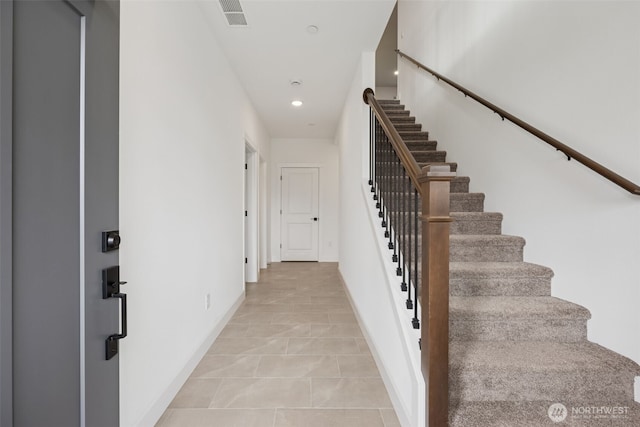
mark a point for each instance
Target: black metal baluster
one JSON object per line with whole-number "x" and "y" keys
{"x": 376, "y": 170}
{"x": 415, "y": 321}
{"x": 411, "y": 273}
{"x": 372, "y": 138}
{"x": 402, "y": 264}
{"x": 396, "y": 215}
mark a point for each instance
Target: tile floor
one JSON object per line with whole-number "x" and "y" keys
{"x": 293, "y": 355}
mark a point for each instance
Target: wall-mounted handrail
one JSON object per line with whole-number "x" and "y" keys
{"x": 568, "y": 151}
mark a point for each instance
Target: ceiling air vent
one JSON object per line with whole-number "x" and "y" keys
{"x": 234, "y": 13}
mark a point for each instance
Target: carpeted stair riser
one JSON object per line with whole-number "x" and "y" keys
{"x": 476, "y": 223}
{"x": 408, "y": 127}
{"x": 478, "y": 248}
{"x": 462, "y": 202}
{"x": 463, "y": 222}
{"x": 430, "y": 156}
{"x": 510, "y": 371}
{"x": 392, "y": 107}
{"x": 499, "y": 279}
{"x": 425, "y": 156}
{"x": 414, "y": 135}
{"x": 516, "y": 319}
{"x": 397, "y": 113}
{"x": 459, "y": 184}
{"x": 485, "y": 248}
{"x": 398, "y": 119}
{"x": 517, "y": 385}
{"x": 452, "y": 166}
{"x": 421, "y": 145}
{"x": 535, "y": 414}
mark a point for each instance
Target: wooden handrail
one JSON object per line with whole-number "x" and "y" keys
{"x": 398, "y": 144}
{"x": 568, "y": 151}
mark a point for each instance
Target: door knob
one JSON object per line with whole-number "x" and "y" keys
{"x": 315, "y": 219}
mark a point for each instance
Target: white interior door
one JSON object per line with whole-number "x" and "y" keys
{"x": 299, "y": 214}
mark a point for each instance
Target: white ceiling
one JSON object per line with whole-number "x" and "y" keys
{"x": 275, "y": 48}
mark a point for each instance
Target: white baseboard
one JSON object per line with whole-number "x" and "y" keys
{"x": 396, "y": 401}
{"x": 162, "y": 403}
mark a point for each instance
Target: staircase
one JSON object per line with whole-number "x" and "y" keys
{"x": 514, "y": 349}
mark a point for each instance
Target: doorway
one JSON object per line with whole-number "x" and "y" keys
{"x": 299, "y": 213}
{"x": 251, "y": 215}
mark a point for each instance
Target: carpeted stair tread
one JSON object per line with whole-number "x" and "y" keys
{"x": 397, "y": 112}
{"x": 476, "y": 222}
{"x": 414, "y": 135}
{"x": 528, "y": 370}
{"x": 402, "y": 126}
{"x": 421, "y": 145}
{"x": 536, "y": 414}
{"x": 401, "y": 118}
{"x": 389, "y": 101}
{"x": 392, "y": 107}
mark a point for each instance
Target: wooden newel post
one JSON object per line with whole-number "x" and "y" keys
{"x": 435, "y": 182}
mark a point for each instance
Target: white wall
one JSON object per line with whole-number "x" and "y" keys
{"x": 573, "y": 70}
{"x": 322, "y": 153}
{"x": 361, "y": 264}
{"x": 386, "y": 92}
{"x": 184, "y": 119}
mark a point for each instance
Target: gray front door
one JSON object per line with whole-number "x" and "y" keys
{"x": 62, "y": 150}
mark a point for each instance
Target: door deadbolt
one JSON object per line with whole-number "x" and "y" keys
{"x": 110, "y": 240}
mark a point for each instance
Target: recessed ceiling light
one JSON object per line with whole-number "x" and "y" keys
{"x": 395, "y": 72}
{"x": 296, "y": 103}
{"x": 312, "y": 29}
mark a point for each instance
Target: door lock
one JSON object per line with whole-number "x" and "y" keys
{"x": 110, "y": 240}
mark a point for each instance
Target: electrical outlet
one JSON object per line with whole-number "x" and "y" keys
{"x": 207, "y": 301}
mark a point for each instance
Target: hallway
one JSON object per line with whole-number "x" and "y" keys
{"x": 293, "y": 355}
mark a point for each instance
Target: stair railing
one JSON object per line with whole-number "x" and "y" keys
{"x": 413, "y": 205}
{"x": 559, "y": 146}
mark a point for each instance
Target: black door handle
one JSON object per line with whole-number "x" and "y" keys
{"x": 111, "y": 289}
{"x": 112, "y": 340}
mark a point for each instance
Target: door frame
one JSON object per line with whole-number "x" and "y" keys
{"x": 278, "y": 205}
{"x": 251, "y": 206}
{"x": 6, "y": 209}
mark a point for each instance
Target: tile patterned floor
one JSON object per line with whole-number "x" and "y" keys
{"x": 292, "y": 356}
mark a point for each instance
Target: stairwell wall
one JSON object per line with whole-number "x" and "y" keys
{"x": 571, "y": 69}
{"x": 359, "y": 259}
{"x": 184, "y": 120}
